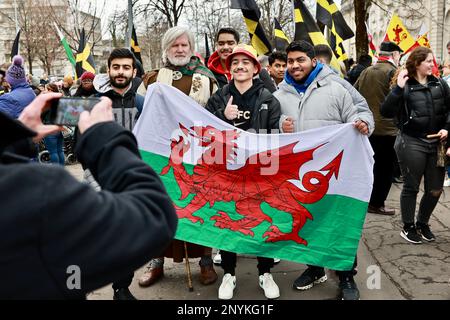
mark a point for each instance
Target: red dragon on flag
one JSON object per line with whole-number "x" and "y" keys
{"x": 212, "y": 182}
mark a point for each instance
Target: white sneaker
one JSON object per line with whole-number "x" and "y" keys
{"x": 227, "y": 287}
{"x": 269, "y": 286}
{"x": 276, "y": 260}
{"x": 217, "y": 258}
{"x": 447, "y": 182}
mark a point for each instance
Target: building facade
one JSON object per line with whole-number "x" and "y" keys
{"x": 67, "y": 18}
{"x": 433, "y": 14}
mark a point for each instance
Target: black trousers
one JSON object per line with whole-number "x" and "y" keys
{"x": 383, "y": 170}
{"x": 229, "y": 263}
{"x": 341, "y": 274}
{"x": 418, "y": 159}
{"x": 124, "y": 282}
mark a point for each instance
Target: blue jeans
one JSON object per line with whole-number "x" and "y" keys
{"x": 54, "y": 145}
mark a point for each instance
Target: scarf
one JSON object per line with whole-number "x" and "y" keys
{"x": 301, "y": 86}
{"x": 194, "y": 66}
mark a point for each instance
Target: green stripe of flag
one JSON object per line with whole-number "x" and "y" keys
{"x": 66, "y": 46}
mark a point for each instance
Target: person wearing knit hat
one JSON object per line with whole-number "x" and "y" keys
{"x": 246, "y": 104}
{"x": 21, "y": 94}
{"x": 86, "y": 88}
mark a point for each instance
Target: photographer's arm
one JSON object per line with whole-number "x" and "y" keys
{"x": 113, "y": 232}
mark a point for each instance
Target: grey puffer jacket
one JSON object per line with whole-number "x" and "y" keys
{"x": 326, "y": 102}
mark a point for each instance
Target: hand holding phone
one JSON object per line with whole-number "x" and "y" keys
{"x": 102, "y": 112}
{"x": 66, "y": 111}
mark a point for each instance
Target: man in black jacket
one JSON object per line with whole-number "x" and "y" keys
{"x": 59, "y": 239}
{"x": 247, "y": 105}
{"x": 244, "y": 102}
{"x": 120, "y": 85}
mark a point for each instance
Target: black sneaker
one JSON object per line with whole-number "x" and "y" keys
{"x": 310, "y": 277}
{"x": 409, "y": 233}
{"x": 425, "y": 231}
{"x": 348, "y": 288}
{"x": 123, "y": 294}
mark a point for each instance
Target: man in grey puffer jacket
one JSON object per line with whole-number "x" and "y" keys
{"x": 311, "y": 96}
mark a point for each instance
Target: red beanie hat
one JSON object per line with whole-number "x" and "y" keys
{"x": 87, "y": 75}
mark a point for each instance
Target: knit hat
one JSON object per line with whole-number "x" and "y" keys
{"x": 16, "y": 73}
{"x": 87, "y": 75}
{"x": 247, "y": 50}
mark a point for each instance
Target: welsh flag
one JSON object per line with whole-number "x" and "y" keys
{"x": 301, "y": 197}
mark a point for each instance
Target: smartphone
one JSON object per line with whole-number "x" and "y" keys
{"x": 66, "y": 110}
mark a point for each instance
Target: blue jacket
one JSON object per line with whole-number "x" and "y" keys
{"x": 14, "y": 102}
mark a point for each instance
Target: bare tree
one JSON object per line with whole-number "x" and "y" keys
{"x": 150, "y": 41}
{"x": 171, "y": 9}
{"x": 117, "y": 28}
{"x": 39, "y": 38}
{"x": 72, "y": 16}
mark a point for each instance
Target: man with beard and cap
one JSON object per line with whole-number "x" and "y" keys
{"x": 118, "y": 85}
{"x": 185, "y": 72}
{"x": 226, "y": 40}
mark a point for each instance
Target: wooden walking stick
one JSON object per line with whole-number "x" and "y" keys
{"x": 188, "y": 268}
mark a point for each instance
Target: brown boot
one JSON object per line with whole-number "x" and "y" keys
{"x": 207, "y": 274}
{"x": 151, "y": 276}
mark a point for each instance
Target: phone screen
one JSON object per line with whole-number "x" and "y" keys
{"x": 66, "y": 111}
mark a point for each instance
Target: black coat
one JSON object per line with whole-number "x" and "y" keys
{"x": 266, "y": 115}
{"x": 50, "y": 222}
{"x": 419, "y": 110}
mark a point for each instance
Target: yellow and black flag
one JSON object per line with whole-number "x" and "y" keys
{"x": 307, "y": 29}
{"x": 84, "y": 59}
{"x": 328, "y": 13}
{"x": 280, "y": 41}
{"x": 251, "y": 15}
{"x": 135, "y": 46}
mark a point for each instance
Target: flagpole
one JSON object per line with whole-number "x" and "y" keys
{"x": 130, "y": 24}
{"x": 229, "y": 20}
{"x": 15, "y": 16}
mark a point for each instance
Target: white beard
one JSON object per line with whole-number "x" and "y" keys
{"x": 179, "y": 62}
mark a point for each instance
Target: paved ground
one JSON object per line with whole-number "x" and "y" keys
{"x": 407, "y": 271}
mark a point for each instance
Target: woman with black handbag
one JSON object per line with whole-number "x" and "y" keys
{"x": 420, "y": 103}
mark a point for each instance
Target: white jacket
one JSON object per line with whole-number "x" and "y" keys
{"x": 326, "y": 102}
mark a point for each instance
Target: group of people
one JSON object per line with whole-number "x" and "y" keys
{"x": 405, "y": 112}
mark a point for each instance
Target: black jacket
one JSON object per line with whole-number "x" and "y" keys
{"x": 419, "y": 110}
{"x": 354, "y": 74}
{"x": 266, "y": 114}
{"x": 50, "y": 222}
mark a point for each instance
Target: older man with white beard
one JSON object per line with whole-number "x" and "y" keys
{"x": 182, "y": 69}
{"x": 185, "y": 72}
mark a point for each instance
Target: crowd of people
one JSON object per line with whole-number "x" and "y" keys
{"x": 404, "y": 110}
